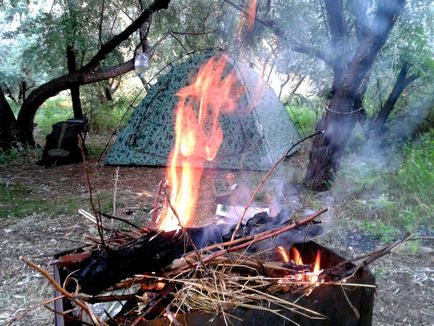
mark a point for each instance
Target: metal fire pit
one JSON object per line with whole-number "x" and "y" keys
{"x": 352, "y": 307}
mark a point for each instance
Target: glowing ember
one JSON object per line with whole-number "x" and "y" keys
{"x": 311, "y": 277}
{"x": 198, "y": 135}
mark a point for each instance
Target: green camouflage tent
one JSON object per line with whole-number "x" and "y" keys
{"x": 253, "y": 140}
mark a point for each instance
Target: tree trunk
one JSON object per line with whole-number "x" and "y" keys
{"x": 7, "y": 123}
{"x": 401, "y": 83}
{"x": 327, "y": 148}
{"x": 350, "y": 69}
{"x": 23, "y": 91}
{"x": 75, "y": 89}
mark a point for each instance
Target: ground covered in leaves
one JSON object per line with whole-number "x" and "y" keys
{"x": 39, "y": 217}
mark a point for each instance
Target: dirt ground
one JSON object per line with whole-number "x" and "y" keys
{"x": 405, "y": 280}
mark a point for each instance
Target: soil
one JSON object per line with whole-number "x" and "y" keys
{"x": 405, "y": 294}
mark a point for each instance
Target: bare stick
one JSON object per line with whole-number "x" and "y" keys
{"x": 122, "y": 220}
{"x": 369, "y": 258}
{"x": 28, "y": 310}
{"x": 115, "y": 190}
{"x": 59, "y": 288}
{"x": 265, "y": 179}
{"x": 89, "y": 185}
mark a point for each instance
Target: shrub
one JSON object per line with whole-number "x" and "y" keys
{"x": 303, "y": 117}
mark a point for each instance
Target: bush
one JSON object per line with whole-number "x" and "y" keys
{"x": 413, "y": 184}
{"x": 8, "y": 156}
{"x": 107, "y": 117}
{"x": 303, "y": 117}
{"x": 52, "y": 111}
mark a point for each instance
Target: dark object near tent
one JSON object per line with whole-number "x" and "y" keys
{"x": 62, "y": 145}
{"x": 253, "y": 139}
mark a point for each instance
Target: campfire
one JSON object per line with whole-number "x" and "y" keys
{"x": 252, "y": 270}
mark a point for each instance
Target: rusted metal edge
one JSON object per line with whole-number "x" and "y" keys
{"x": 58, "y": 304}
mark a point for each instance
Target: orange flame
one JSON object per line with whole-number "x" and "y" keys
{"x": 311, "y": 277}
{"x": 282, "y": 252}
{"x": 198, "y": 135}
{"x": 296, "y": 257}
{"x": 316, "y": 268}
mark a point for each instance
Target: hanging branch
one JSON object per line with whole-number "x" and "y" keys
{"x": 265, "y": 179}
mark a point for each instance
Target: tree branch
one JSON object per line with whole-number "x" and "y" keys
{"x": 385, "y": 18}
{"x": 101, "y": 19}
{"x": 85, "y": 75}
{"x": 296, "y": 45}
{"x": 336, "y": 22}
{"x": 121, "y": 37}
{"x": 401, "y": 83}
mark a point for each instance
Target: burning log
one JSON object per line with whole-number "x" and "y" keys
{"x": 156, "y": 250}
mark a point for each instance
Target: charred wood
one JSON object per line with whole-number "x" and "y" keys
{"x": 154, "y": 251}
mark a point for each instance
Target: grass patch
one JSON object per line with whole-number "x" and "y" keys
{"x": 8, "y": 156}
{"x": 17, "y": 200}
{"x": 19, "y": 156}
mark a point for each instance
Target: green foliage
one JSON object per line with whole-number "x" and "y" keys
{"x": 105, "y": 115}
{"x": 8, "y": 156}
{"x": 103, "y": 118}
{"x": 54, "y": 110}
{"x": 410, "y": 42}
{"x": 388, "y": 198}
{"x": 303, "y": 117}
{"x": 413, "y": 247}
{"x": 382, "y": 231}
{"x": 106, "y": 118}
{"x": 417, "y": 170}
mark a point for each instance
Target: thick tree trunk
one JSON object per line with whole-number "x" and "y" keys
{"x": 327, "y": 149}
{"x": 75, "y": 89}
{"x": 350, "y": 68}
{"x": 7, "y": 123}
